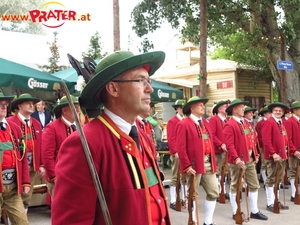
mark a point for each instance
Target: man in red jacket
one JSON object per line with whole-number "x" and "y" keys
{"x": 172, "y": 137}
{"x": 122, "y": 153}
{"x": 197, "y": 155}
{"x": 32, "y": 131}
{"x": 13, "y": 167}
{"x": 217, "y": 123}
{"x": 265, "y": 114}
{"x": 54, "y": 135}
{"x": 275, "y": 141}
{"x": 241, "y": 155}
{"x": 293, "y": 131}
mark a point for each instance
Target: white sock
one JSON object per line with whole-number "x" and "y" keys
{"x": 194, "y": 212}
{"x": 209, "y": 211}
{"x": 253, "y": 197}
{"x": 183, "y": 191}
{"x": 8, "y": 221}
{"x": 225, "y": 181}
{"x": 270, "y": 195}
{"x": 292, "y": 182}
{"x": 264, "y": 176}
{"x": 26, "y": 210}
{"x": 172, "y": 194}
{"x": 233, "y": 202}
{"x": 218, "y": 182}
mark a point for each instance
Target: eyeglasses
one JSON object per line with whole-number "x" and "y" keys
{"x": 4, "y": 105}
{"x": 144, "y": 81}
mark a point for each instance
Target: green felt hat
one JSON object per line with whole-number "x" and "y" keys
{"x": 6, "y": 98}
{"x": 220, "y": 103}
{"x": 278, "y": 104}
{"x": 179, "y": 102}
{"x": 186, "y": 108}
{"x": 263, "y": 110}
{"x": 63, "y": 103}
{"x": 114, "y": 65}
{"x": 25, "y": 97}
{"x": 234, "y": 103}
{"x": 249, "y": 109}
{"x": 295, "y": 105}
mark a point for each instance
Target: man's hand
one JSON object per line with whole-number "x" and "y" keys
{"x": 191, "y": 171}
{"x": 240, "y": 163}
{"x": 26, "y": 190}
{"x": 176, "y": 155}
{"x": 276, "y": 157}
{"x": 41, "y": 172}
{"x": 223, "y": 147}
{"x": 297, "y": 154}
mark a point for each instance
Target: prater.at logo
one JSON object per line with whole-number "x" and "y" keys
{"x": 54, "y": 15}
{"x": 32, "y": 83}
{"x": 162, "y": 94}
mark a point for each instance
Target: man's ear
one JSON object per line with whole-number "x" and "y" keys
{"x": 113, "y": 89}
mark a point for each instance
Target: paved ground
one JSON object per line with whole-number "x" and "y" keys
{"x": 41, "y": 215}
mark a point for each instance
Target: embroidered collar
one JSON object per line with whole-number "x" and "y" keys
{"x": 195, "y": 118}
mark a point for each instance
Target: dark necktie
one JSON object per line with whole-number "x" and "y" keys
{"x": 135, "y": 136}
{"x": 144, "y": 121}
{"x": 242, "y": 122}
{"x": 73, "y": 127}
{"x": 26, "y": 121}
{"x": 2, "y": 126}
{"x": 279, "y": 122}
{"x": 225, "y": 121}
{"x": 200, "y": 123}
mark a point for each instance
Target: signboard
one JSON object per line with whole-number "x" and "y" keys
{"x": 285, "y": 65}
{"x": 224, "y": 84}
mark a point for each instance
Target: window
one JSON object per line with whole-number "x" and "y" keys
{"x": 255, "y": 102}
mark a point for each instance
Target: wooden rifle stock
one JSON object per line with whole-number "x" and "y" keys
{"x": 276, "y": 205}
{"x": 286, "y": 179}
{"x": 239, "y": 213}
{"x": 192, "y": 202}
{"x": 222, "y": 196}
{"x": 178, "y": 203}
{"x": 297, "y": 196}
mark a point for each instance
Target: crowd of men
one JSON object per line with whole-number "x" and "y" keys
{"x": 123, "y": 182}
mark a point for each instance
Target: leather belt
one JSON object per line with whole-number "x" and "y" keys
{"x": 207, "y": 158}
{"x": 8, "y": 176}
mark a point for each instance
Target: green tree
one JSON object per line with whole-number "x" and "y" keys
{"x": 16, "y": 7}
{"x": 260, "y": 31}
{"x": 95, "y": 50}
{"x": 54, "y": 59}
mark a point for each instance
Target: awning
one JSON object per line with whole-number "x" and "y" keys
{"x": 28, "y": 80}
{"x": 164, "y": 93}
{"x": 180, "y": 82}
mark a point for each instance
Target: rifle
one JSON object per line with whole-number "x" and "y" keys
{"x": 222, "y": 196}
{"x": 192, "y": 202}
{"x": 285, "y": 179}
{"x": 89, "y": 158}
{"x": 239, "y": 213}
{"x": 178, "y": 203}
{"x": 297, "y": 196}
{"x": 276, "y": 184}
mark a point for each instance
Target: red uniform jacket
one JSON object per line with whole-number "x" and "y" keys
{"x": 37, "y": 136}
{"x": 147, "y": 128}
{"x": 53, "y": 136}
{"x": 216, "y": 126}
{"x": 23, "y": 178}
{"x": 189, "y": 145}
{"x": 236, "y": 143}
{"x": 122, "y": 175}
{"x": 293, "y": 131}
{"x": 171, "y": 132}
{"x": 273, "y": 139}
{"x": 259, "y": 126}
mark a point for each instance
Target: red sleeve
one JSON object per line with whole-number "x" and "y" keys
{"x": 229, "y": 136}
{"x": 214, "y": 126}
{"x": 267, "y": 139}
{"x": 289, "y": 130}
{"x": 171, "y": 133}
{"x": 181, "y": 146}
{"x": 49, "y": 148}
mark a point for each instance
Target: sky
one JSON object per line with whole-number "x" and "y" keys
{"x": 74, "y": 37}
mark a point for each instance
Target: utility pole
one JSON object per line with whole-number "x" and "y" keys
{"x": 116, "y": 25}
{"x": 203, "y": 48}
